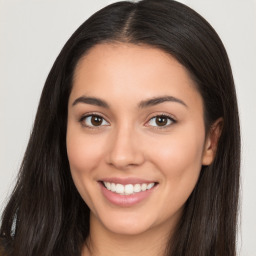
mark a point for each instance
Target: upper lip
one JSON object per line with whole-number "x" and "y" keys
{"x": 125, "y": 181}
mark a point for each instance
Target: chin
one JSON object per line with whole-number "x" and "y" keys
{"x": 126, "y": 224}
{"x": 127, "y": 229}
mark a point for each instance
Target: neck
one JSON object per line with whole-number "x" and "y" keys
{"x": 103, "y": 242}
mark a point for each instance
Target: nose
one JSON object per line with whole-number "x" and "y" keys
{"x": 125, "y": 149}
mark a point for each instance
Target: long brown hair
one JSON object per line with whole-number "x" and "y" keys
{"x": 46, "y": 215}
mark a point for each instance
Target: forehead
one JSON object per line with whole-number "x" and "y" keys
{"x": 122, "y": 70}
{"x": 127, "y": 60}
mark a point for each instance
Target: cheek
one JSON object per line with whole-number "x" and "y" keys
{"x": 83, "y": 156}
{"x": 84, "y": 151}
{"x": 178, "y": 158}
{"x": 179, "y": 152}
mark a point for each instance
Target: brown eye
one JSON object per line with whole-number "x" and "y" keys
{"x": 161, "y": 121}
{"x": 94, "y": 120}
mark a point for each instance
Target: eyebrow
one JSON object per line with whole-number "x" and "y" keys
{"x": 92, "y": 101}
{"x": 159, "y": 100}
{"x": 143, "y": 104}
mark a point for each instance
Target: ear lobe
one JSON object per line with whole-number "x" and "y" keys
{"x": 211, "y": 142}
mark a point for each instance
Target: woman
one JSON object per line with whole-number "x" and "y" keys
{"x": 135, "y": 148}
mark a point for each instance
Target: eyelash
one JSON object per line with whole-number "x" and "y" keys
{"x": 170, "y": 119}
{"x": 91, "y": 126}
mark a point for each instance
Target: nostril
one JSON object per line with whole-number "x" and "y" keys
{"x": 125, "y": 161}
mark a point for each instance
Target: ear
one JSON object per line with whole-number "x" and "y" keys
{"x": 211, "y": 142}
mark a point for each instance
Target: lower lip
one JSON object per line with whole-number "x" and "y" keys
{"x": 125, "y": 200}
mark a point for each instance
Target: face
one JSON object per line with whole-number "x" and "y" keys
{"x": 135, "y": 137}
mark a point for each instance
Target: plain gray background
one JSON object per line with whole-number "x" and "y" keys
{"x": 32, "y": 32}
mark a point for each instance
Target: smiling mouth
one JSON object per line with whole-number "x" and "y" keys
{"x": 128, "y": 189}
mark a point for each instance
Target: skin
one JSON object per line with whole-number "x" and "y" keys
{"x": 129, "y": 143}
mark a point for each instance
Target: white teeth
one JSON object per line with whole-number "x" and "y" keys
{"x": 108, "y": 185}
{"x": 137, "y": 187}
{"x": 151, "y": 185}
{"x": 113, "y": 187}
{"x": 143, "y": 187}
{"x": 119, "y": 188}
{"x": 129, "y": 188}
